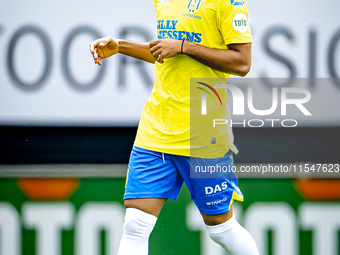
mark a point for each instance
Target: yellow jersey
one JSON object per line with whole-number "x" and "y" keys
{"x": 165, "y": 122}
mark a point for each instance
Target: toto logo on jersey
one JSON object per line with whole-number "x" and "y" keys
{"x": 240, "y": 23}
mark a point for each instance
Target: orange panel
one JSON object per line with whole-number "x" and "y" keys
{"x": 48, "y": 188}
{"x": 324, "y": 189}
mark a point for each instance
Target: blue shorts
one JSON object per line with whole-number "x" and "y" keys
{"x": 157, "y": 175}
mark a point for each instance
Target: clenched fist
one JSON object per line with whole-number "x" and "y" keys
{"x": 103, "y": 48}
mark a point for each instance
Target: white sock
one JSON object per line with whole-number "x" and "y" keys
{"x": 137, "y": 228}
{"x": 234, "y": 239}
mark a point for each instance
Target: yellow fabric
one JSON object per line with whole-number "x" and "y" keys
{"x": 236, "y": 197}
{"x": 165, "y": 122}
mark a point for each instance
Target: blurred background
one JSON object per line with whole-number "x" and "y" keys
{"x": 67, "y": 127}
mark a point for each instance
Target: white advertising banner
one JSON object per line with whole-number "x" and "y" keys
{"x": 48, "y": 77}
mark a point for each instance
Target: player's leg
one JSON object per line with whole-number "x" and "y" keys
{"x": 213, "y": 220}
{"x": 214, "y": 194}
{"x": 152, "y": 178}
{"x": 148, "y": 205}
{"x": 226, "y": 231}
{"x": 140, "y": 219}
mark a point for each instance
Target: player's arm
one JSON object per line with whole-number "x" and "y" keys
{"x": 107, "y": 47}
{"x": 236, "y": 60}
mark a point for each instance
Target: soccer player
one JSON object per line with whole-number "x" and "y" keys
{"x": 197, "y": 39}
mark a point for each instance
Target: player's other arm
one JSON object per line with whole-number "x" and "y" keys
{"x": 236, "y": 60}
{"x": 107, "y": 47}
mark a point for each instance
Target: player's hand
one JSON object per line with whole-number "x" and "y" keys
{"x": 165, "y": 48}
{"x": 103, "y": 48}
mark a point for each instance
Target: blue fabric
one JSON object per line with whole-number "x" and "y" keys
{"x": 151, "y": 176}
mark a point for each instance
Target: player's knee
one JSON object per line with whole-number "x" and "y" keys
{"x": 129, "y": 225}
{"x": 138, "y": 224}
{"x": 233, "y": 238}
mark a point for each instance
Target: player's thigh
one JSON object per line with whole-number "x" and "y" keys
{"x": 212, "y": 192}
{"x": 212, "y": 220}
{"x": 151, "y": 179}
{"x": 149, "y": 205}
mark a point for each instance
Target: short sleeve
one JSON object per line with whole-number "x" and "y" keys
{"x": 233, "y": 21}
